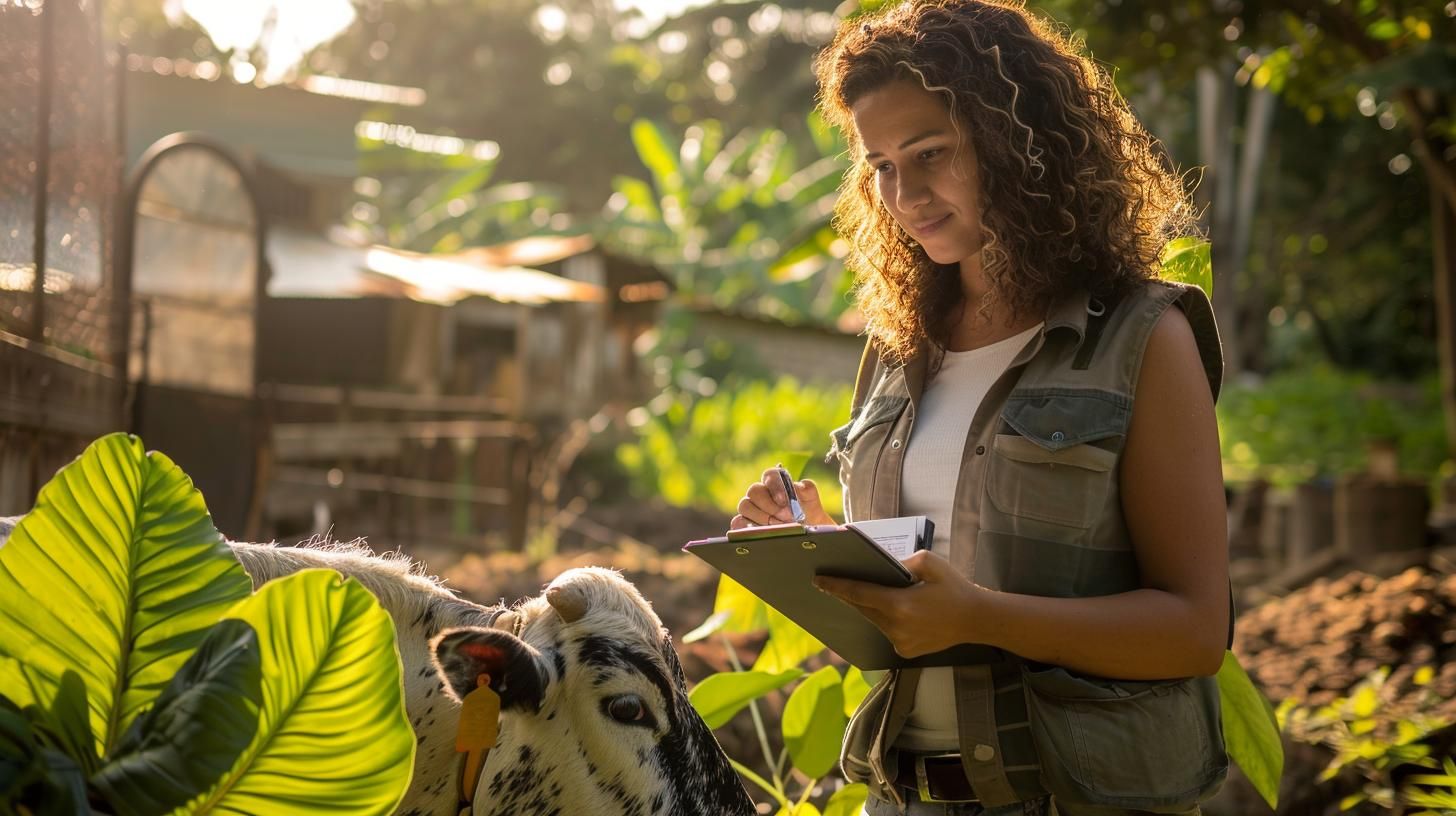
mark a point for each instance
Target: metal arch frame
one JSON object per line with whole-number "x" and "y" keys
{"x": 126, "y": 243}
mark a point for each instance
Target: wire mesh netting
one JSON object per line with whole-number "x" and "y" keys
{"x": 84, "y": 175}
{"x": 58, "y": 100}
{"x": 19, "y": 96}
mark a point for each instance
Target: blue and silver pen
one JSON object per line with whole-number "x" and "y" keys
{"x": 794, "y": 506}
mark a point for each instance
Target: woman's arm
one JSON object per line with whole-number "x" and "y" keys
{"x": 1173, "y": 500}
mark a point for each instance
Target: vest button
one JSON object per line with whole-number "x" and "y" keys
{"x": 1058, "y": 436}
{"x": 895, "y": 444}
{"x": 984, "y": 753}
{"x": 980, "y": 450}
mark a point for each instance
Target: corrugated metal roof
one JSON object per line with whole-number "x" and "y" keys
{"x": 305, "y": 264}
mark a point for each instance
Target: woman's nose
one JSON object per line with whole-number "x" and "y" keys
{"x": 913, "y": 191}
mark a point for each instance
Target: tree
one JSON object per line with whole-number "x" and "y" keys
{"x": 1393, "y": 61}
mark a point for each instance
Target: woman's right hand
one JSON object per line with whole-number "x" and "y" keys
{"x": 766, "y": 502}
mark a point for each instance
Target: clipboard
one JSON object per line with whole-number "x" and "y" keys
{"x": 778, "y": 563}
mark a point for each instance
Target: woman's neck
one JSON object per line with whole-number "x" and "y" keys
{"x": 972, "y": 329}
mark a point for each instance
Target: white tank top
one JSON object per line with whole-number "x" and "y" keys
{"x": 928, "y": 488}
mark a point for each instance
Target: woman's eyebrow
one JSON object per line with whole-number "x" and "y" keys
{"x": 910, "y": 141}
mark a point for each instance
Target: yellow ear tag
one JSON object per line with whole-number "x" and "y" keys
{"x": 479, "y": 718}
{"x": 479, "y": 726}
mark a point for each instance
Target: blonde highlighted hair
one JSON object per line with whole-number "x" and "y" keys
{"x": 1075, "y": 194}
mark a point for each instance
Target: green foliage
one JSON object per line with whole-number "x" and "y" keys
{"x": 1250, "y": 729}
{"x": 814, "y": 722}
{"x": 425, "y": 202}
{"x": 133, "y": 655}
{"x": 1189, "y": 260}
{"x": 704, "y": 451}
{"x": 1379, "y": 741}
{"x": 742, "y": 224}
{"x": 116, "y": 575}
{"x": 722, "y": 695}
{"x": 1300, "y": 425}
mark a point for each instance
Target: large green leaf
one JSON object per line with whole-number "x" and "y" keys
{"x": 722, "y": 695}
{"x": 746, "y": 612}
{"x": 848, "y": 800}
{"x": 332, "y": 732}
{"x": 1189, "y": 260}
{"x": 856, "y": 688}
{"x": 814, "y": 722}
{"x": 1250, "y": 729}
{"x": 788, "y": 644}
{"x": 199, "y": 726}
{"x": 116, "y": 574}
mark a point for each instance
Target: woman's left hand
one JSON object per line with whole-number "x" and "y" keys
{"x": 938, "y": 612}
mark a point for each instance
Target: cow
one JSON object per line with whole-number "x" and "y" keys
{"x": 595, "y": 717}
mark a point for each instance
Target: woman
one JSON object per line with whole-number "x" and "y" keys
{"x": 1028, "y": 387}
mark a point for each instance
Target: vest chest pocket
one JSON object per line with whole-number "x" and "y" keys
{"x": 1049, "y": 470}
{"x": 1067, "y": 487}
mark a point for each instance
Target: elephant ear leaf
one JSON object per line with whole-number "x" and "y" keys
{"x": 332, "y": 734}
{"x": 196, "y": 731}
{"x": 116, "y": 575}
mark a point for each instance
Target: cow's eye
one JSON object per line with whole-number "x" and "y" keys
{"x": 628, "y": 709}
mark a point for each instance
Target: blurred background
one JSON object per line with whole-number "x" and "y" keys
{"x": 517, "y": 284}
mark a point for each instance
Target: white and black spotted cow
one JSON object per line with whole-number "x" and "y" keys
{"x": 595, "y": 717}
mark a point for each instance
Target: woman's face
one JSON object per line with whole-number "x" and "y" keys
{"x": 925, "y": 168}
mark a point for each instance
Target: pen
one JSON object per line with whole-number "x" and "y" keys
{"x": 794, "y": 506}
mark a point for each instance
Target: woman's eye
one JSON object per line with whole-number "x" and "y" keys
{"x": 927, "y": 155}
{"x": 628, "y": 709}
{"x": 882, "y": 167}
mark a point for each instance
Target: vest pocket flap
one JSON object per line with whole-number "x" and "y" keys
{"x": 1059, "y": 418}
{"x": 879, "y": 410}
{"x": 1021, "y": 449}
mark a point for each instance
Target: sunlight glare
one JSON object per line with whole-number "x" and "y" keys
{"x": 297, "y": 28}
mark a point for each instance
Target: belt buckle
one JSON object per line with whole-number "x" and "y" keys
{"x": 922, "y": 780}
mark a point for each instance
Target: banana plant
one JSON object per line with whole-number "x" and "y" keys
{"x": 440, "y": 202}
{"x": 139, "y": 672}
{"x": 742, "y": 224}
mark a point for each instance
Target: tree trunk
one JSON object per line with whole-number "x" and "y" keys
{"x": 1443, "y": 234}
{"x": 1216, "y": 199}
{"x": 1258, "y": 123}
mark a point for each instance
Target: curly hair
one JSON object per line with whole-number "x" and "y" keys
{"x": 1075, "y": 194}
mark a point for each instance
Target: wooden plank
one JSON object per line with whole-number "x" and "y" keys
{"x": 52, "y": 390}
{"x": 398, "y": 485}
{"x": 384, "y": 400}
{"x": 295, "y": 441}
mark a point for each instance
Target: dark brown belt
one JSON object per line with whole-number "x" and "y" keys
{"x": 935, "y": 777}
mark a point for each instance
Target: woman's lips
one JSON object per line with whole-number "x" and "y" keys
{"x": 928, "y": 227}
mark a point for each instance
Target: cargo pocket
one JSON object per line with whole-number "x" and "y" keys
{"x": 1155, "y": 746}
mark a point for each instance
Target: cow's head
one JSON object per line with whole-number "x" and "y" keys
{"x": 594, "y": 712}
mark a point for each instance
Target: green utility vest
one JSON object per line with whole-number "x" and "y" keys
{"x": 1038, "y": 512}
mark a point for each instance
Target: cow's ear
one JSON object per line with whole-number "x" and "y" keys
{"x": 517, "y": 672}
